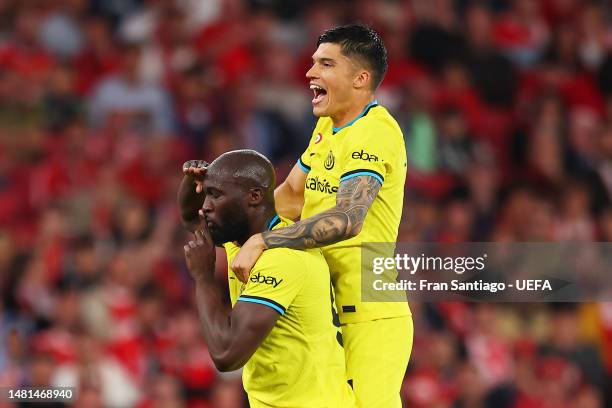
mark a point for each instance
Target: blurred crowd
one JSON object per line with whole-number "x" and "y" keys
{"x": 506, "y": 108}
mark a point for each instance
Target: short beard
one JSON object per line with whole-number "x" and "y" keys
{"x": 235, "y": 230}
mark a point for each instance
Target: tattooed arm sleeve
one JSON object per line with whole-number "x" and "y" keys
{"x": 354, "y": 198}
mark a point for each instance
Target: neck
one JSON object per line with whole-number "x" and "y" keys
{"x": 259, "y": 222}
{"x": 352, "y": 111}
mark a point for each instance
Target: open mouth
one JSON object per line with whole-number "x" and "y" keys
{"x": 319, "y": 93}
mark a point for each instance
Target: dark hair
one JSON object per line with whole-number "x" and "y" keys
{"x": 363, "y": 43}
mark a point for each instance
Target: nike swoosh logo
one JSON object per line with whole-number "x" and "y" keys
{"x": 312, "y": 154}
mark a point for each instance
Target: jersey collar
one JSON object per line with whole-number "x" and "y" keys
{"x": 274, "y": 222}
{"x": 362, "y": 114}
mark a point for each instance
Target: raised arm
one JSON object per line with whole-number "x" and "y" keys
{"x": 289, "y": 196}
{"x": 190, "y": 195}
{"x": 232, "y": 335}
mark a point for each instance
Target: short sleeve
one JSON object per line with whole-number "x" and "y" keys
{"x": 373, "y": 152}
{"x": 275, "y": 281}
{"x": 304, "y": 160}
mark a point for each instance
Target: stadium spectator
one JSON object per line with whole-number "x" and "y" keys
{"x": 506, "y": 108}
{"x": 124, "y": 99}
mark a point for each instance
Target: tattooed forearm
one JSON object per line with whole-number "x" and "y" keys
{"x": 354, "y": 198}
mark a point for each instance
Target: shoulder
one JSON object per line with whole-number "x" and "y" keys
{"x": 379, "y": 119}
{"x": 378, "y": 130}
{"x": 282, "y": 257}
{"x": 303, "y": 261}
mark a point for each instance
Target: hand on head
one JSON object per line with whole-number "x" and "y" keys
{"x": 197, "y": 169}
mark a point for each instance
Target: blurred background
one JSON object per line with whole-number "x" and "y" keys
{"x": 506, "y": 109}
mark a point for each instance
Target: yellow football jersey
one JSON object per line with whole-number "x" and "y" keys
{"x": 373, "y": 145}
{"x": 301, "y": 362}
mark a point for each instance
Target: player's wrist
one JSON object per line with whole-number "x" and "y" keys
{"x": 262, "y": 240}
{"x": 203, "y": 277}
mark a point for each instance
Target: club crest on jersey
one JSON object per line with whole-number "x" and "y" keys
{"x": 318, "y": 138}
{"x": 330, "y": 161}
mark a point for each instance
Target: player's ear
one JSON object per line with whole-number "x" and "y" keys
{"x": 362, "y": 79}
{"x": 256, "y": 196}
